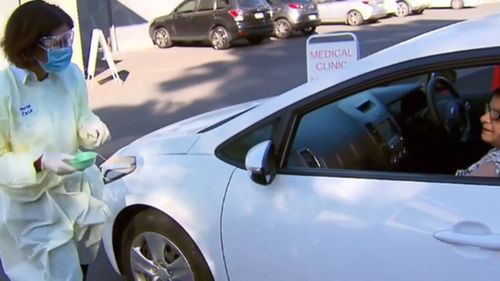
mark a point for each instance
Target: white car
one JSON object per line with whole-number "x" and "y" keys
{"x": 403, "y": 8}
{"x": 350, "y": 177}
{"x": 352, "y": 12}
{"x": 455, "y": 4}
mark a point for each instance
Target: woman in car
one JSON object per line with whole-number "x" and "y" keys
{"x": 489, "y": 165}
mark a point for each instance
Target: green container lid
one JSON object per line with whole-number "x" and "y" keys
{"x": 83, "y": 160}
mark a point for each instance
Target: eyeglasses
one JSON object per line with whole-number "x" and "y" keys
{"x": 494, "y": 115}
{"x": 58, "y": 41}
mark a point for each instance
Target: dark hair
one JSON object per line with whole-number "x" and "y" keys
{"x": 26, "y": 25}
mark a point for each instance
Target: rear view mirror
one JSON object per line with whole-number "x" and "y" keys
{"x": 260, "y": 163}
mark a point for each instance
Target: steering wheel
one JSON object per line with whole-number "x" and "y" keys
{"x": 449, "y": 111}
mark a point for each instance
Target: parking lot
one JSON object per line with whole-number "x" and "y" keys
{"x": 166, "y": 85}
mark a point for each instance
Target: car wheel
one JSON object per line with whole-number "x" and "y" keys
{"x": 309, "y": 30}
{"x": 354, "y": 18}
{"x": 282, "y": 29}
{"x": 457, "y": 4}
{"x": 155, "y": 247}
{"x": 219, "y": 38}
{"x": 161, "y": 38}
{"x": 403, "y": 9}
{"x": 255, "y": 40}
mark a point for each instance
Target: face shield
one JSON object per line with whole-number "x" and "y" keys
{"x": 59, "y": 41}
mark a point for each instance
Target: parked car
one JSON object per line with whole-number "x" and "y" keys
{"x": 350, "y": 177}
{"x": 454, "y": 4}
{"x": 218, "y": 21}
{"x": 352, "y": 12}
{"x": 403, "y": 8}
{"x": 294, "y": 15}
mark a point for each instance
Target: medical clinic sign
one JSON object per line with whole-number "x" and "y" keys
{"x": 328, "y": 53}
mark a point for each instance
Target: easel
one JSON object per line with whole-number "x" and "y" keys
{"x": 98, "y": 38}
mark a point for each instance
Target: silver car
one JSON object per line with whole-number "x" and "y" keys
{"x": 352, "y": 12}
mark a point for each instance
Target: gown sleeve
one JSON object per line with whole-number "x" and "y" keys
{"x": 16, "y": 169}
{"x": 84, "y": 113}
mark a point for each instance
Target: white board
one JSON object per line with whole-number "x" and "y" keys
{"x": 330, "y": 53}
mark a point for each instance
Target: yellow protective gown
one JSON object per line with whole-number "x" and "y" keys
{"x": 49, "y": 224}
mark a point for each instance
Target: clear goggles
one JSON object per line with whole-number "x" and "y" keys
{"x": 58, "y": 41}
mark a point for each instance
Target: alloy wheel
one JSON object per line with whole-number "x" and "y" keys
{"x": 457, "y": 4}
{"x": 219, "y": 38}
{"x": 162, "y": 38}
{"x": 403, "y": 9}
{"x": 282, "y": 29}
{"x": 153, "y": 257}
{"x": 354, "y": 18}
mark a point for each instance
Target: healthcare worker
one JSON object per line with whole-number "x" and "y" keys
{"x": 51, "y": 216}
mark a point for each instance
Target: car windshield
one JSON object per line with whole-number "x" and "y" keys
{"x": 251, "y": 3}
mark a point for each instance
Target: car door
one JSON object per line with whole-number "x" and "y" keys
{"x": 333, "y": 10}
{"x": 183, "y": 16}
{"x": 311, "y": 227}
{"x": 203, "y": 20}
{"x": 339, "y": 209}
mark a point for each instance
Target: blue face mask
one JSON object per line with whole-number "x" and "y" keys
{"x": 57, "y": 59}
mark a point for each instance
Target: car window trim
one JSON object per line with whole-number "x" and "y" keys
{"x": 465, "y": 59}
{"x": 393, "y": 176}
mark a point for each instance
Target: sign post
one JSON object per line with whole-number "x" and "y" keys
{"x": 329, "y": 53}
{"x": 96, "y": 39}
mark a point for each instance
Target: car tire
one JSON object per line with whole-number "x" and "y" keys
{"x": 457, "y": 4}
{"x": 354, "y": 18}
{"x": 308, "y": 30}
{"x": 219, "y": 38}
{"x": 155, "y": 247}
{"x": 282, "y": 29}
{"x": 161, "y": 38}
{"x": 403, "y": 9}
{"x": 255, "y": 40}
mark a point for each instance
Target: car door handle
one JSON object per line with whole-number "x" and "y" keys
{"x": 489, "y": 242}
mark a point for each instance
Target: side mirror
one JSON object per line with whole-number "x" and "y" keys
{"x": 260, "y": 163}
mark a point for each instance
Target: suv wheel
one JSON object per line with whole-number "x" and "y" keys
{"x": 308, "y": 30}
{"x": 457, "y": 4}
{"x": 282, "y": 29}
{"x": 161, "y": 38}
{"x": 354, "y": 18}
{"x": 255, "y": 40}
{"x": 403, "y": 9}
{"x": 219, "y": 38}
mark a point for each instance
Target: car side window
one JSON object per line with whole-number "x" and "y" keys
{"x": 187, "y": 7}
{"x": 222, "y": 4}
{"x": 206, "y": 5}
{"x": 427, "y": 123}
{"x": 237, "y": 149}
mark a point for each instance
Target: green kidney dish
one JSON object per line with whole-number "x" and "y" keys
{"x": 83, "y": 160}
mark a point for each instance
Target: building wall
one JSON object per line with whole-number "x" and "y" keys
{"x": 131, "y": 20}
{"x": 6, "y": 8}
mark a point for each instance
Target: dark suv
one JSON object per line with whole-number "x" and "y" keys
{"x": 290, "y": 15}
{"x": 218, "y": 21}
